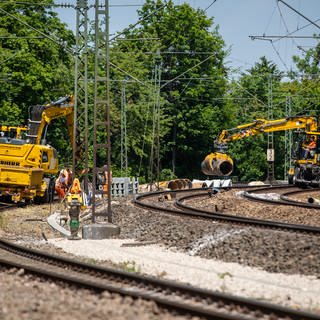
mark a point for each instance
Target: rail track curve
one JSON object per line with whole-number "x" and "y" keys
{"x": 181, "y": 208}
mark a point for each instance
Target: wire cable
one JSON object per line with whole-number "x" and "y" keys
{"x": 210, "y": 5}
{"x": 56, "y": 41}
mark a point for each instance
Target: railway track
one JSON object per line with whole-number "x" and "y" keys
{"x": 284, "y": 198}
{"x": 7, "y": 206}
{"x": 181, "y": 208}
{"x": 169, "y": 295}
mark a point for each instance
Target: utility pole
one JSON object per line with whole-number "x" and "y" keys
{"x": 155, "y": 147}
{"x": 101, "y": 109}
{"x": 80, "y": 123}
{"x": 270, "y": 150}
{"x": 287, "y": 141}
{"x": 124, "y": 151}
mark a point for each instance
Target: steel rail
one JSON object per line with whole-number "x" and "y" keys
{"x": 245, "y": 220}
{"x": 184, "y": 209}
{"x": 284, "y": 199}
{"x": 8, "y": 206}
{"x": 167, "y": 294}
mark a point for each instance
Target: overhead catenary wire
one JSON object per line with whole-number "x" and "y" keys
{"x": 285, "y": 24}
{"x": 49, "y": 37}
{"x": 210, "y": 5}
{"x": 299, "y": 13}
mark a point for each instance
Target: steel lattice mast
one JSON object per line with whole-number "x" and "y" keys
{"x": 80, "y": 141}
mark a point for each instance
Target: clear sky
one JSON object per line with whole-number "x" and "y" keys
{"x": 237, "y": 20}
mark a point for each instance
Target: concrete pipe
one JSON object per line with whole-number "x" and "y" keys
{"x": 217, "y": 164}
{"x": 188, "y": 183}
{"x": 173, "y": 185}
{"x": 179, "y": 183}
{"x": 313, "y": 200}
{"x": 184, "y": 184}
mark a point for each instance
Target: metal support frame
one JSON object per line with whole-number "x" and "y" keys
{"x": 154, "y": 165}
{"x": 101, "y": 109}
{"x": 80, "y": 130}
{"x": 270, "y": 151}
{"x": 124, "y": 149}
{"x": 288, "y": 141}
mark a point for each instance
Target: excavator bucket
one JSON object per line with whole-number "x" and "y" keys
{"x": 217, "y": 164}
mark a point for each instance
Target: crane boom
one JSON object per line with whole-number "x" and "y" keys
{"x": 305, "y": 165}
{"x": 308, "y": 124}
{"x": 42, "y": 115}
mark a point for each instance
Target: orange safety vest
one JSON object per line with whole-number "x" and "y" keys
{"x": 312, "y": 145}
{"x": 75, "y": 186}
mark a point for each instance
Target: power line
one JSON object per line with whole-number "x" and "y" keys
{"x": 138, "y": 22}
{"x": 56, "y": 41}
{"x": 42, "y": 4}
{"x": 210, "y": 5}
{"x": 299, "y": 13}
{"x": 266, "y": 37}
{"x": 196, "y": 65}
{"x": 16, "y": 38}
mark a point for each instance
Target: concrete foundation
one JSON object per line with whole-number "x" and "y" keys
{"x": 99, "y": 231}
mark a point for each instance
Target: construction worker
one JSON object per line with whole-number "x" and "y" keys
{"x": 309, "y": 147}
{"x": 102, "y": 180}
{"x": 68, "y": 174}
{"x": 61, "y": 185}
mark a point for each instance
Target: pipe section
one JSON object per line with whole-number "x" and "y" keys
{"x": 217, "y": 164}
{"x": 313, "y": 200}
{"x": 176, "y": 184}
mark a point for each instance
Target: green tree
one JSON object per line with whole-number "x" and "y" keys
{"x": 34, "y": 68}
{"x": 190, "y": 52}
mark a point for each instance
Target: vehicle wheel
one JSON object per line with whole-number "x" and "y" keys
{"x": 297, "y": 176}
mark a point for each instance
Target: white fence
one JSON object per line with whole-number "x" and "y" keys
{"x": 122, "y": 187}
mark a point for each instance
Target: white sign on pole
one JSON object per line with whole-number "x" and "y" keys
{"x": 270, "y": 155}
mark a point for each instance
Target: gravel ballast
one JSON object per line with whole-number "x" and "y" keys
{"x": 290, "y": 290}
{"x": 283, "y": 266}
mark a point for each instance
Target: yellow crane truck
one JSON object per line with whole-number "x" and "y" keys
{"x": 27, "y": 163}
{"x": 304, "y": 170}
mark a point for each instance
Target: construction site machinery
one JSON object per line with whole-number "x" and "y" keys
{"x": 27, "y": 164}
{"x": 304, "y": 166}
{"x": 13, "y": 132}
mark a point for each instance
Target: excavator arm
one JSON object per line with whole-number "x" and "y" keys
{"x": 41, "y": 116}
{"x": 307, "y": 124}
{"x": 220, "y": 164}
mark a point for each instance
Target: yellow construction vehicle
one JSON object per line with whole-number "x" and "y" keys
{"x": 13, "y": 132}
{"x": 305, "y": 163}
{"x": 27, "y": 164}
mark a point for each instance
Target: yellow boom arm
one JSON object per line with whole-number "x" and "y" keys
{"x": 307, "y": 124}
{"x": 43, "y": 115}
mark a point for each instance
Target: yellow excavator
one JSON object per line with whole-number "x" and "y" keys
{"x": 304, "y": 165}
{"x": 27, "y": 163}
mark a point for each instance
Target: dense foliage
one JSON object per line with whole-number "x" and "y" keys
{"x": 172, "y": 61}
{"x": 191, "y": 61}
